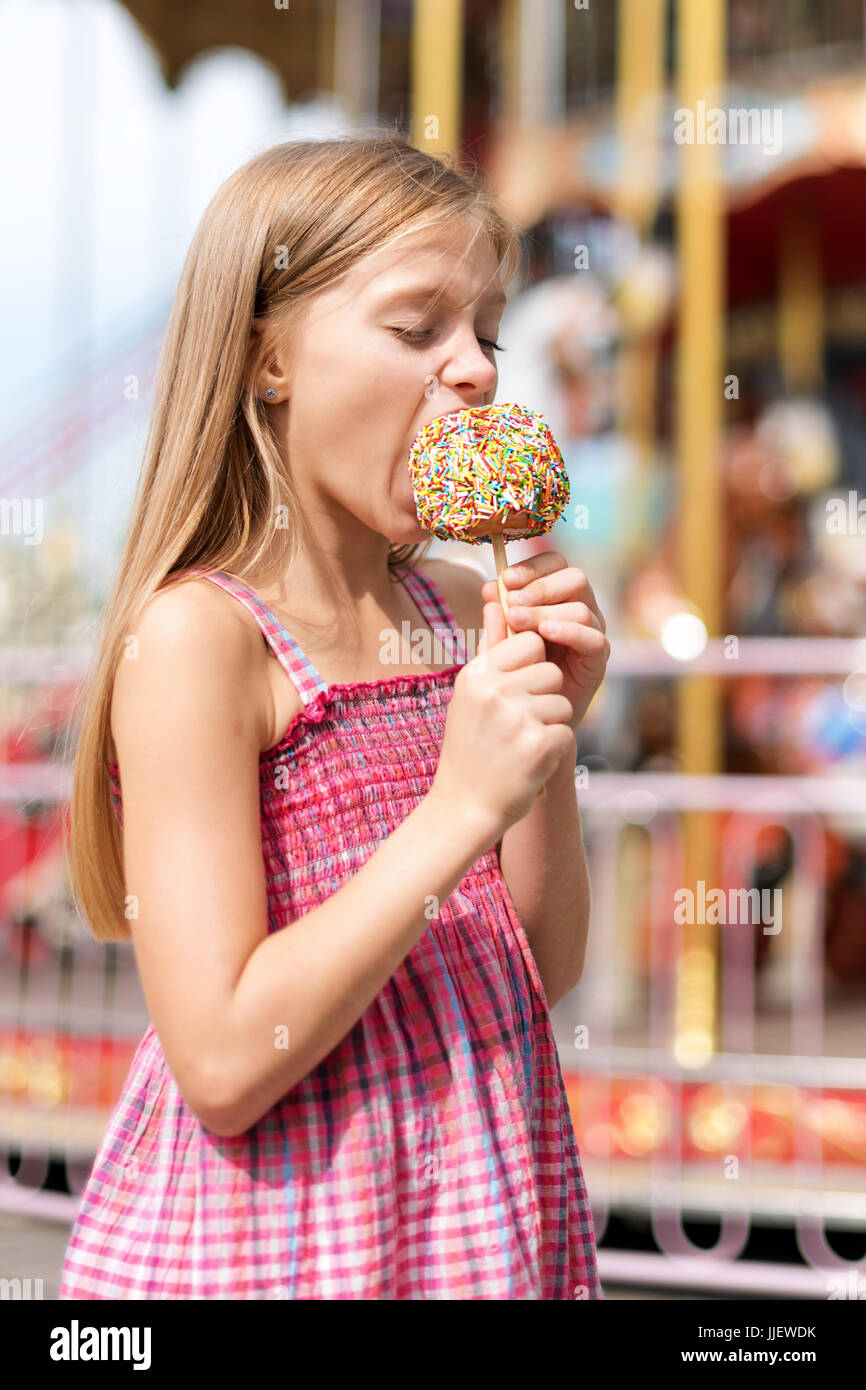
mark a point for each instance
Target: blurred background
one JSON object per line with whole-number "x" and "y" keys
{"x": 690, "y": 178}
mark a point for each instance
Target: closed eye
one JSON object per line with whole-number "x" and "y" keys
{"x": 412, "y": 335}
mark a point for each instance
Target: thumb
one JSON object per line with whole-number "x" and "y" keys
{"x": 495, "y": 629}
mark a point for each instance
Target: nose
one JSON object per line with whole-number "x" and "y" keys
{"x": 469, "y": 367}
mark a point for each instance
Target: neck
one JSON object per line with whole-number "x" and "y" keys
{"x": 334, "y": 582}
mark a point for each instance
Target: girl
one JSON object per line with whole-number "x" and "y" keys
{"x": 349, "y": 911}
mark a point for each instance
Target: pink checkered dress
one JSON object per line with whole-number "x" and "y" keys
{"x": 431, "y": 1154}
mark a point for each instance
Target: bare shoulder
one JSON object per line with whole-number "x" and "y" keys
{"x": 461, "y": 585}
{"x": 191, "y": 641}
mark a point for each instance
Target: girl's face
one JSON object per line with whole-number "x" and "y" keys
{"x": 368, "y": 367}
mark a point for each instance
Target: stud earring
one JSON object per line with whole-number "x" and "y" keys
{"x": 270, "y": 393}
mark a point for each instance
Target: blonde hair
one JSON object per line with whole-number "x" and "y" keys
{"x": 283, "y": 227}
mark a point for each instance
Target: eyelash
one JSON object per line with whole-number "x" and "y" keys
{"x": 416, "y": 336}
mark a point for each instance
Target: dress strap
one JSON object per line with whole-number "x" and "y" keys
{"x": 434, "y": 608}
{"x": 297, "y": 664}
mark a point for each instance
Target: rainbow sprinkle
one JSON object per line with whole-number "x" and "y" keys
{"x": 472, "y": 467}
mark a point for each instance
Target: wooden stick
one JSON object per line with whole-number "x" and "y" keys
{"x": 502, "y": 564}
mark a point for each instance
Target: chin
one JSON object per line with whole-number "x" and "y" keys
{"x": 408, "y": 533}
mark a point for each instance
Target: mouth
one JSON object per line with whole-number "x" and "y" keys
{"x": 455, "y": 410}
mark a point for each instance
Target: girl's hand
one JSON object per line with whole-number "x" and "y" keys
{"x": 507, "y": 729}
{"x": 556, "y": 600}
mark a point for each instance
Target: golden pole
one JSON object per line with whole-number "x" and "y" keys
{"x": 509, "y": 59}
{"x": 640, "y": 59}
{"x": 699, "y": 393}
{"x": 356, "y": 57}
{"x": 325, "y": 45}
{"x": 640, "y": 80}
{"x": 437, "y": 71}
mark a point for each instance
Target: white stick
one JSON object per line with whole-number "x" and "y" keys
{"x": 502, "y": 564}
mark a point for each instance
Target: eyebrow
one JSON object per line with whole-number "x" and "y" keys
{"x": 421, "y": 294}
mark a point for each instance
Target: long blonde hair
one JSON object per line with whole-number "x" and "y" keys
{"x": 283, "y": 227}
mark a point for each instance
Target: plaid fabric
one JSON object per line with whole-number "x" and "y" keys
{"x": 431, "y": 1154}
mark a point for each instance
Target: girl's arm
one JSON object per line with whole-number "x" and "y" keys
{"x": 542, "y": 857}
{"x": 543, "y": 861}
{"x": 189, "y": 718}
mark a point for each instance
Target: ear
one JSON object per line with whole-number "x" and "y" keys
{"x": 271, "y": 371}
{"x": 253, "y": 344}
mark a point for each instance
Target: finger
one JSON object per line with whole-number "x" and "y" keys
{"x": 520, "y": 617}
{"x": 541, "y": 678}
{"x": 533, "y": 567}
{"x": 515, "y": 576}
{"x": 523, "y": 649}
{"x": 493, "y": 636}
{"x": 559, "y": 586}
{"x": 587, "y": 641}
{"x": 494, "y": 624}
{"x": 552, "y": 709}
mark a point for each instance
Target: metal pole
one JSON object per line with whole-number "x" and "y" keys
{"x": 640, "y": 83}
{"x": 640, "y": 79}
{"x": 356, "y": 57}
{"x": 437, "y": 74}
{"x": 699, "y": 394}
